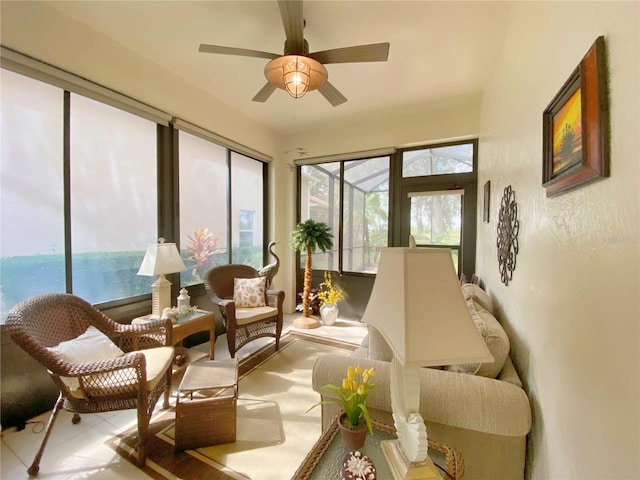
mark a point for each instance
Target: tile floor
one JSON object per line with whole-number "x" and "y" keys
{"x": 79, "y": 451}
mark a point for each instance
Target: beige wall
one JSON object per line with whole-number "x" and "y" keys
{"x": 572, "y": 308}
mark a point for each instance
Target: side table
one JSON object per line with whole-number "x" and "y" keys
{"x": 324, "y": 460}
{"x": 210, "y": 417}
{"x": 194, "y": 322}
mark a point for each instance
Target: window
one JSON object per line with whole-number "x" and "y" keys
{"x": 79, "y": 190}
{"x": 32, "y": 244}
{"x": 364, "y": 207}
{"x": 247, "y": 205}
{"x": 365, "y": 213}
{"x": 438, "y": 160}
{"x": 436, "y": 220}
{"x": 245, "y": 224}
{"x": 203, "y": 206}
{"x": 113, "y": 199}
{"x": 320, "y": 201}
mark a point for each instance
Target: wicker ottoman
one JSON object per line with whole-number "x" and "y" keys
{"x": 206, "y": 404}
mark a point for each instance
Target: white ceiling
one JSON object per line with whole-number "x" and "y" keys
{"x": 439, "y": 50}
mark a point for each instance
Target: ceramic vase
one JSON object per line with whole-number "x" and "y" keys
{"x": 353, "y": 438}
{"x": 329, "y": 313}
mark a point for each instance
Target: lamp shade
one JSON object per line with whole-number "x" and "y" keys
{"x": 161, "y": 259}
{"x": 418, "y": 307}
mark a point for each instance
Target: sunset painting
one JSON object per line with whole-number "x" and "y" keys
{"x": 567, "y": 134}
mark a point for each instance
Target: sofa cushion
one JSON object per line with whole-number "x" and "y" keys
{"x": 495, "y": 338}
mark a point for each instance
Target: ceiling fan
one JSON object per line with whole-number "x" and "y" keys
{"x": 298, "y": 71}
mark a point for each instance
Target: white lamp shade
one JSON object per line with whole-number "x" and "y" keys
{"x": 161, "y": 259}
{"x": 418, "y": 307}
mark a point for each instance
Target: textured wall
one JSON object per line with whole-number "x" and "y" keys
{"x": 572, "y": 307}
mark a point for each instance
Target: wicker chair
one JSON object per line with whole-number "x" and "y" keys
{"x": 135, "y": 379}
{"x": 244, "y": 324}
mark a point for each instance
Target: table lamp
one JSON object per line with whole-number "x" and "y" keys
{"x": 160, "y": 259}
{"x": 417, "y": 306}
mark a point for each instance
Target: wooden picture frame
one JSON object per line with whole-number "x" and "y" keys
{"x": 486, "y": 201}
{"x": 576, "y": 127}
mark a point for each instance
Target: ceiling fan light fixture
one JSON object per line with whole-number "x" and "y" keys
{"x": 296, "y": 74}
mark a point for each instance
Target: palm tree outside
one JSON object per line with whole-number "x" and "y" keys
{"x": 309, "y": 236}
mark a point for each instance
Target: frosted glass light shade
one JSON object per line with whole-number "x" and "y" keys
{"x": 296, "y": 74}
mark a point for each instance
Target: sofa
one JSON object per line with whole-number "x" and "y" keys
{"x": 480, "y": 409}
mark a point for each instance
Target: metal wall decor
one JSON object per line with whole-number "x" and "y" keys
{"x": 507, "y": 242}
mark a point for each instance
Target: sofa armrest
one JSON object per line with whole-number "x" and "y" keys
{"x": 449, "y": 398}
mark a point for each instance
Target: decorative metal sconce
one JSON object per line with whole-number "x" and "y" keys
{"x": 507, "y": 242}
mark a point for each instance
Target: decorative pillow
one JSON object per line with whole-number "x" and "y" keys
{"x": 471, "y": 291}
{"x": 495, "y": 338}
{"x": 91, "y": 346}
{"x": 249, "y": 292}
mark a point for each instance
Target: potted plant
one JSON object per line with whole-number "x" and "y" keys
{"x": 354, "y": 421}
{"x": 329, "y": 294}
{"x": 308, "y": 236}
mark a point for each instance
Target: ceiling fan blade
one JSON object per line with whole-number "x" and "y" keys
{"x": 244, "y": 52}
{"x": 264, "y": 93}
{"x": 291, "y": 13}
{"x": 375, "y": 52}
{"x": 332, "y": 94}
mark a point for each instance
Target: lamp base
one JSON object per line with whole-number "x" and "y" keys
{"x": 404, "y": 470}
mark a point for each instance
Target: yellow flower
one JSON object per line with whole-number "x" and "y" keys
{"x": 327, "y": 292}
{"x": 358, "y": 370}
{"x": 360, "y": 390}
{"x": 350, "y": 373}
{"x": 346, "y": 384}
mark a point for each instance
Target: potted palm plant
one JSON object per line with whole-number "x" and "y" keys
{"x": 309, "y": 236}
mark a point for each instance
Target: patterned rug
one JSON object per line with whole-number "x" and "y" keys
{"x": 274, "y": 434}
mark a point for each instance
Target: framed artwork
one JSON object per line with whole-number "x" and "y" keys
{"x": 487, "y": 200}
{"x": 575, "y": 127}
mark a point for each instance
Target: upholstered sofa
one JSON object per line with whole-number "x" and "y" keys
{"x": 481, "y": 410}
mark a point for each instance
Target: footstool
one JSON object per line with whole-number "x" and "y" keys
{"x": 206, "y": 404}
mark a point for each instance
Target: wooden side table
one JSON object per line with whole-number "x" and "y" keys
{"x": 324, "y": 460}
{"x": 194, "y": 322}
{"x": 208, "y": 418}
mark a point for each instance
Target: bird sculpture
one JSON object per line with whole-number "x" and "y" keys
{"x": 269, "y": 271}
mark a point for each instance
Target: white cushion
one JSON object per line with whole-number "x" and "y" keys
{"x": 250, "y": 315}
{"x": 157, "y": 360}
{"x": 91, "y": 346}
{"x": 249, "y": 292}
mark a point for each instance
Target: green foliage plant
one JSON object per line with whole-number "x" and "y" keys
{"x": 309, "y": 236}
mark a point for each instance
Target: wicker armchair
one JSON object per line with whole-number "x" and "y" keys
{"x": 135, "y": 379}
{"x": 247, "y": 323}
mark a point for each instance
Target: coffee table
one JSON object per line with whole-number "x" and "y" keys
{"x": 193, "y": 322}
{"x": 324, "y": 460}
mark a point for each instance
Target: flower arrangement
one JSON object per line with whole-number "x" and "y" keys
{"x": 353, "y": 395}
{"x": 328, "y": 292}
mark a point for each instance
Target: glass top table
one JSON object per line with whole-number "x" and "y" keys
{"x": 325, "y": 459}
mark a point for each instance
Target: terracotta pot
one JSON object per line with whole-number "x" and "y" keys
{"x": 353, "y": 438}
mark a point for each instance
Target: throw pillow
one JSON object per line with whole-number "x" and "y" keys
{"x": 91, "y": 346}
{"x": 249, "y": 292}
{"x": 495, "y": 338}
{"x": 471, "y": 291}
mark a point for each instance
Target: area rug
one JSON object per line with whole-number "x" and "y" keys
{"x": 274, "y": 434}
